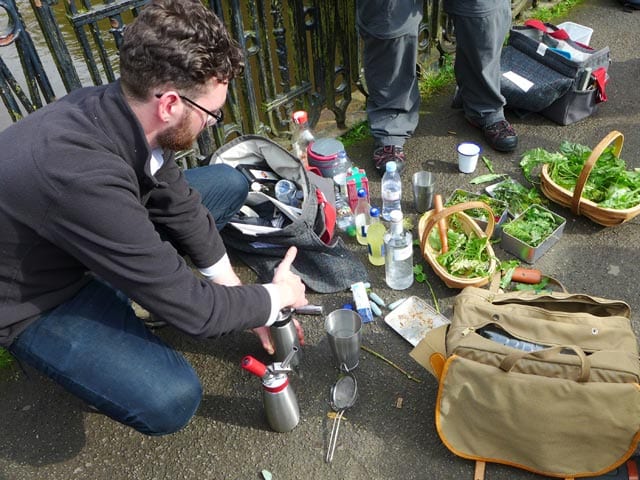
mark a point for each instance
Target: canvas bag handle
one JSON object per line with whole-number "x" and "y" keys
{"x": 510, "y": 360}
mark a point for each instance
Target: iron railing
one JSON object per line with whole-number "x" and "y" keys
{"x": 299, "y": 54}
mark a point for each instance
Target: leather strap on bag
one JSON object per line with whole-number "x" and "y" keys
{"x": 481, "y": 467}
{"x": 510, "y": 360}
{"x": 632, "y": 469}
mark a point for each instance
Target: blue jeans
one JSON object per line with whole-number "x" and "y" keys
{"x": 96, "y": 348}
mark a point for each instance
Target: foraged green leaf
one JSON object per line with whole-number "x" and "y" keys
{"x": 486, "y": 178}
{"x": 488, "y": 164}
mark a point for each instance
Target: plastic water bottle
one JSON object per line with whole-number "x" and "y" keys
{"x": 344, "y": 216}
{"x": 398, "y": 247}
{"x": 362, "y": 216}
{"x": 375, "y": 238}
{"x": 302, "y": 135}
{"x": 504, "y": 338}
{"x": 391, "y": 190}
{"x": 343, "y": 164}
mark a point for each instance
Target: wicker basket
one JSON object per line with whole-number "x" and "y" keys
{"x": 608, "y": 217}
{"x": 429, "y": 221}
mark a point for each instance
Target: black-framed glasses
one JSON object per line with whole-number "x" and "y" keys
{"x": 213, "y": 118}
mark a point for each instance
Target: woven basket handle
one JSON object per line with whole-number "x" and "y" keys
{"x": 613, "y": 136}
{"x": 510, "y": 360}
{"x": 459, "y": 207}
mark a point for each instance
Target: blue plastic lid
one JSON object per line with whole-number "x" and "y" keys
{"x": 391, "y": 166}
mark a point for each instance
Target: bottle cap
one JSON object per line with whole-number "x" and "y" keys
{"x": 300, "y": 117}
{"x": 391, "y": 166}
{"x": 362, "y": 193}
{"x": 396, "y": 215}
{"x": 374, "y": 212}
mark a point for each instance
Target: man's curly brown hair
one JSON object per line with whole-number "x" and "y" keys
{"x": 176, "y": 42}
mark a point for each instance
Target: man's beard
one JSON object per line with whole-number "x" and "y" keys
{"x": 179, "y": 137}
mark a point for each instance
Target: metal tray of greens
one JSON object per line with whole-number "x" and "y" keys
{"x": 533, "y": 233}
{"x": 517, "y": 197}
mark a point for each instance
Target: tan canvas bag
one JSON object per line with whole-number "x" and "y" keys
{"x": 570, "y": 409}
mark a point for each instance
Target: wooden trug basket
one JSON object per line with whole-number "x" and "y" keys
{"x": 607, "y": 217}
{"x": 429, "y": 221}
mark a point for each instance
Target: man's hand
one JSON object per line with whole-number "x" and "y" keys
{"x": 265, "y": 338}
{"x": 291, "y": 288}
{"x": 291, "y": 292}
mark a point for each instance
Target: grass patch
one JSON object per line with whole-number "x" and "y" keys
{"x": 358, "y": 132}
{"x": 5, "y": 358}
{"x": 434, "y": 81}
{"x": 558, "y": 10}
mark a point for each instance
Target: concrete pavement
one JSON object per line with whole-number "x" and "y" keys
{"x": 47, "y": 434}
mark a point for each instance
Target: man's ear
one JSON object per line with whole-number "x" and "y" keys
{"x": 169, "y": 106}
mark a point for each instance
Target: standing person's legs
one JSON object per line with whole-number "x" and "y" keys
{"x": 477, "y": 65}
{"x": 393, "y": 104}
{"x": 479, "y": 43}
{"x": 223, "y": 189}
{"x": 96, "y": 348}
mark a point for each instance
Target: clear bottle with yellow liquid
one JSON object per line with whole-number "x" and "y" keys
{"x": 375, "y": 238}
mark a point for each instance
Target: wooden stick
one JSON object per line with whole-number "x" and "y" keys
{"x": 385, "y": 359}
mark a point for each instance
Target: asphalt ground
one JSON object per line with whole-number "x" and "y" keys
{"x": 47, "y": 434}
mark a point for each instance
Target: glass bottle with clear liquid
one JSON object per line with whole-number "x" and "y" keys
{"x": 344, "y": 216}
{"x": 302, "y": 135}
{"x": 362, "y": 216}
{"x": 398, "y": 247}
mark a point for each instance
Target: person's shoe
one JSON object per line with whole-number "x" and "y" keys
{"x": 499, "y": 135}
{"x": 456, "y": 102}
{"x": 386, "y": 154}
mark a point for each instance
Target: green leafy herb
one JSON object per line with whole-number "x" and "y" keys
{"x": 507, "y": 268}
{"x": 516, "y": 196}
{"x": 534, "y": 226}
{"x": 462, "y": 196}
{"x": 609, "y": 184}
{"x": 421, "y": 277}
{"x": 467, "y": 256}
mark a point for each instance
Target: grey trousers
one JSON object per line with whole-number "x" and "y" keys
{"x": 477, "y": 66}
{"x": 394, "y": 98}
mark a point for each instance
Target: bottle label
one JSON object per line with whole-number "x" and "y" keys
{"x": 403, "y": 253}
{"x": 391, "y": 195}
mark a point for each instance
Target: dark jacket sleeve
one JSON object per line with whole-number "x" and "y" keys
{"x": 177, "y": 209}
{"x": 97, "y": 216}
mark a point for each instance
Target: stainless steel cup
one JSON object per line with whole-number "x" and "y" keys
{"x": 344, "y": 331}
{"x": 423, "y": 186}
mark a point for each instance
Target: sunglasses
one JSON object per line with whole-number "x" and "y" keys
{"x": 213, "y": 118}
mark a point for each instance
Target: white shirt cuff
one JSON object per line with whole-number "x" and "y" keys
{"x": 274, "y": 294}
{"x": 221, "y": 266}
